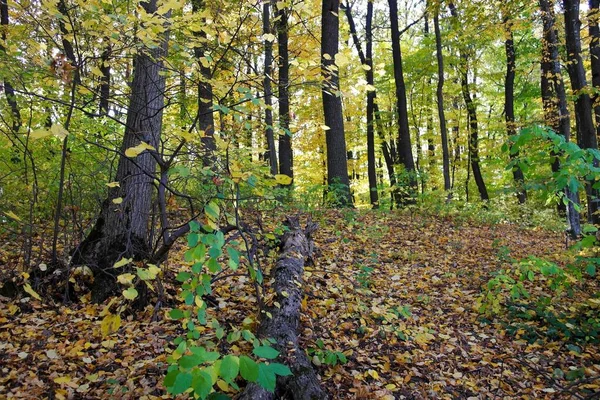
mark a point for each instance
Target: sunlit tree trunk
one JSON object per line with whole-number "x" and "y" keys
{"x": 268, "y": 71}
{"x": 286, "y": 155}
{"x": 337, "y": 163}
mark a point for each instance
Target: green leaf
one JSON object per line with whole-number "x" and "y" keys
{"x": 202, "y": 383}
{"x": 266, "y": 378}
{"x": 182, "y": 383}
{"x": 230, "y": 367}
{"x": 212, "y": 210}
{"x": 176, "y": 313}
{"x": 265, "y": 352}
{"x": 281, "y": 369}
{"x": 183, "y": 276}
{"x": 188, "y": 362}
{"x": 193, "y": 239}
{"x": 248, "y": 369}
{"x": 591, "y": 270}
{"x": 130, "y": 293}
{"x": 170, "y": 378}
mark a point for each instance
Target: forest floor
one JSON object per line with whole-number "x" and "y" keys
{"x": 395, "y": 293}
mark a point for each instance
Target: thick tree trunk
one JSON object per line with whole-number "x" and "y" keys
{"x": 405, "y": 156}
{"x": 594, "y": 30}
{"x": 337, "y": 162}
{"x": 554, "y": 100}
{"x": 286, "y": 161}
{"x": 509, "y": 106}
{"x": 268, "y": 71}
{"x": 472, "y": 114}
{"x": 440, "y": 101}
{"x": 205, "y": 119}
{"x": 284, "y": 322}
{"x": 367, "y": 59}
{"x": 586, "y": 131}
{"x": 121, "y": 229}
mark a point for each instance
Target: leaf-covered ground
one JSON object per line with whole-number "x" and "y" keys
{"x": 395, "y": 293}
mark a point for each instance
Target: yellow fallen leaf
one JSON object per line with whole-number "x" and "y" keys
{"x": 62, "y": 379}
{"x": 31, "y": 292}
{"x": 110, "y": 324}
{"x": 12, "y": 215}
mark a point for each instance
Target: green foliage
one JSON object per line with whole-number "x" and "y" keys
{"x": 323, "y": 356}
{"x": 196, "y": 367}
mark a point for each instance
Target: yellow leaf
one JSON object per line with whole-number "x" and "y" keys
{"x": 32, "y": 292}
{"x": 130, "y": 293}
{"x": 283, "y": 179}
{"x": 113, "y": 184}
{"x": 373, "y": 374}
{"x": 117, "y": 200}
{"x": 122, "y": 262}
{"x": 268, "y": 37}
{"x": 62, "y": 379}
{"x": 39, "y": 133}
{"x": 222, "y": 385}
{"x": 12, "y": 215}
{"x": 137, "y": 150}
{"x": 125, "y": 279}
{"x": 110, "y": 324}
{"x": 96, "y": 71}
{"x": 371, "y": 88}
{"x": 366, "y": 67}
{"x": 58, "y": 131}
{"x": 341, "y": 60}
{"x": 325, "y": 127}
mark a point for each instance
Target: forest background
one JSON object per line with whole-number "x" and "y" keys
{"x": 127, "y": 127}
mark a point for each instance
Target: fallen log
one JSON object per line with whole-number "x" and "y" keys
{"x": 296, "y": 247}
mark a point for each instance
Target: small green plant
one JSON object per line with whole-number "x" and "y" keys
{"x": 321, "y": 355}
{"x": 364, "y": 276}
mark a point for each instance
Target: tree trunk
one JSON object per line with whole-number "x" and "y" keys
{"x": 121, "y": 229}
{"x": 554, "y": 100}
{"x": 594, "y": 31}
{"x": 284, "y": 321}
{"x": 371, "y": 94}
{"x": 586, "y": 132}
{"x": 472, "y": 114}
{"x": 509, "y": 106}
{"x": 9, "y": 91}
{"x": 268, "y": 71}
{"x": 286, "y": 161}
{"x": 404, "y": 146}
{"x": 337, "y": 163}
{"x": 105, "y": 80}
{"x": 205, "y": 119}
{"x": 440, "y": 101}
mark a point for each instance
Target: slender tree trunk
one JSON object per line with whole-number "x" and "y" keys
{"x": 594, "y": 31}
{"x": 205, "y": 120}
{"x": 440, "y": 101}
{"x": 105, "y": 80}
{"x": 586, "y": 131}
{"x": 337, "y": 163}
{"x": 286, "y": 155}
{"x": 472, "y": 113}
{"x": 509, "y": 106}
{"x": 122, "y": 228}
{"x": 404, "y": 146}
{"x": 554, "y": 100}
{"x": 9, "y": 91}
{"x": 367, "y": 59}
{"x": 271, "y": 153}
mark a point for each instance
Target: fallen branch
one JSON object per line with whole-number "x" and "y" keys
{"x": 283, "y": 324}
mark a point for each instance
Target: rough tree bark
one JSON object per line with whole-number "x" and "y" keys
{"x": 337, "y": 163}
{"x": 594, "y": 31}
{"x": 122, "y": 228}
{"x": 304, "y": 384}
{"x": 554, "y": 100}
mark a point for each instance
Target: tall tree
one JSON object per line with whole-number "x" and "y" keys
{"x": 283, "y": 97}
{"x": 440, "y": 99}
{"x": 554, "y": 100}
{"x": 367, "y": 60}
{"x": 594, "y": 31}
{"x": 337, "y": 163}
{"x": 122, "y": 228}
{"x": 509, "y": 103}
{"x": 586, "y": 132}
{"x": 404, "y": 146}
{"x": 268, "y": 77}
{"x": 205, "y": 120}
{"x": 9, "y": 91}
{"x": 471, "y": 113}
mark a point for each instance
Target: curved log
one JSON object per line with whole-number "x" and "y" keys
{"x": 304, "y": 384}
